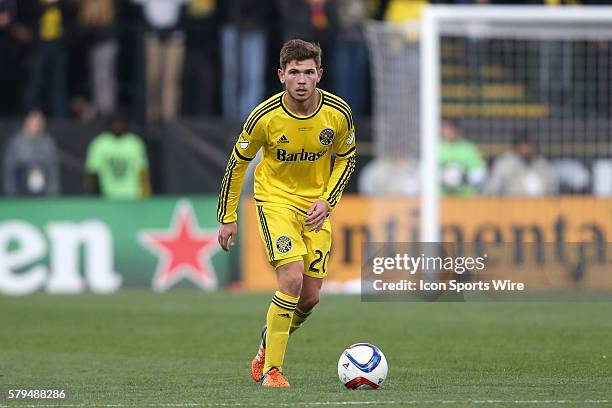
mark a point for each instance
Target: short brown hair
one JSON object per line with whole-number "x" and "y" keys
{"x": 300, "y": 50}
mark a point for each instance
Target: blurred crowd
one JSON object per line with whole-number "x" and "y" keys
{"x": 169, "y": 57}
{"x": 521, "y": 171}
{"x": 164, "y": 58}
{"x": 156, "y": 60}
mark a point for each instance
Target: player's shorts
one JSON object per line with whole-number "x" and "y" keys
{"x": 287, "y": 239}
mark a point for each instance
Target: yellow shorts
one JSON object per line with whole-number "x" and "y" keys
{"x": 287, "y": 239}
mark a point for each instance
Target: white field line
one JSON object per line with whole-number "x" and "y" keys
{"x": 327, "y": 403}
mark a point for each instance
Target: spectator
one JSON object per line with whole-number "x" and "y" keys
{"x": 462, "y": 169}
{"x": 96, "y": 21}
{"x": 316, "y": 21}
{"x": 7, "y": 13}
{"x": 402, "y": 11}
{"x": 390, "y": 176}
{"x": 10, "y": 51}
{"x": 48, "y": 22}
{"x": 351, "y": 55}
{"x": 31, "y": 166}
{"x": 572, "y": 176}
{"x": 243, "y": 48}
{"x": 165, "y": 54}
{"x": 200, "y": 78}
{"x": 522, "y": 172}
{"x": 117, "y": 165}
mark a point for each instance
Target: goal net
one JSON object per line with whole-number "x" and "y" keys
{"x": 496, "y": 122}
{"x": 528, "y": 81}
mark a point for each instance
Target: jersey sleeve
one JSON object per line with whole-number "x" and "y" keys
{"x": 249, "y": 142}
{"x": 344, "y": 144}
{"x": 344, "y": 164}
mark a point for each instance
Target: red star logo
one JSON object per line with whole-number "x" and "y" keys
{"x": 184, "y": 251}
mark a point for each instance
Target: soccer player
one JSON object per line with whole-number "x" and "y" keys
{"x": 295, "y": 191}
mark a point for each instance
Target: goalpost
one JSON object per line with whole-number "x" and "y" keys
{"x": 553, "y": 43}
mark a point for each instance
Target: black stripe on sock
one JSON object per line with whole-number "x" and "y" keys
{"x": 291, "y": 309}
{"x": 284, "y": 302}
{"x": 300, "y": 314}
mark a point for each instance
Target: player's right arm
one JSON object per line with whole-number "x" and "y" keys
{"x": 245, "y": 149}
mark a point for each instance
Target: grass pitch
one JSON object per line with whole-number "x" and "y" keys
{"x": 192, "y": 349}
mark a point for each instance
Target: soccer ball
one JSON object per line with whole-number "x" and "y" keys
{"x": 362, "y": 366}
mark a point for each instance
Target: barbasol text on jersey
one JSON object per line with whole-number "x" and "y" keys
{"x": 282, "y": 155}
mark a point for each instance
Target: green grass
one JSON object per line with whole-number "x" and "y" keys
{"x": 189, "y": 348}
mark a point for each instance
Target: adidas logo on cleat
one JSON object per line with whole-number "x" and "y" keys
{"x": 282, "y": 139}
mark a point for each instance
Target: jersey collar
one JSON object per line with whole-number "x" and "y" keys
{"x": 293, "y": 115}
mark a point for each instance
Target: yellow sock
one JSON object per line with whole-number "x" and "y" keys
{"x": 278, "y": 320}
{"x": 299, "y": 317}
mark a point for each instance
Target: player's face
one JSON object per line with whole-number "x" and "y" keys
{"x": 300, "y": 78}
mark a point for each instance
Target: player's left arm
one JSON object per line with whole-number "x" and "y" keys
{"x": 344, "y": 166}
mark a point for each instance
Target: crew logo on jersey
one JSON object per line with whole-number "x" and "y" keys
{"x": 283, "y": 244}
{"x": 243, "y": 142}
{"x": 326, "y": 137}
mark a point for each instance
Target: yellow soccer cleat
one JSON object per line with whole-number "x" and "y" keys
{"x": 274, "y": 378}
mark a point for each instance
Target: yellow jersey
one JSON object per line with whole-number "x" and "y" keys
{"x": 295, "y": 169}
